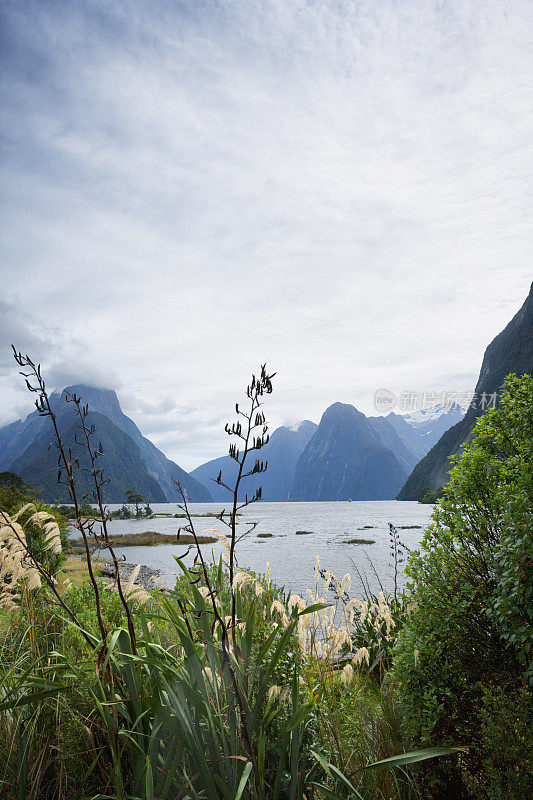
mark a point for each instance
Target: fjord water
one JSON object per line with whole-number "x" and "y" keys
{"x": 329, "y": 526}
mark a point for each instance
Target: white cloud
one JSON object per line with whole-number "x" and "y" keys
{"x": 342, "y": 189}
{"x": 63, "y": 358}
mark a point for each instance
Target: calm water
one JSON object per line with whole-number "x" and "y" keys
{"x": 291, "y": 556}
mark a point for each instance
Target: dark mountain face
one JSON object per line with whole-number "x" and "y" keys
{"x": 281, "y": 453}
{"x": 510, "y": 351}
{"x": 122, "y": 462}
{"x": 347, "y": 460}
{"x": 408, "y": 435}
{"x": 389, "y": 438}
{"x": 17, "y": 437}
{"x": 9, "y": 435}
{"x": 421, "y": 430}
{"x": 105, "y": 401}
{"x": 18, "y": 440}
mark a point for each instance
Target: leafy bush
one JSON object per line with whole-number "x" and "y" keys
{"x": 430, "y": 496}
{"x": 470, "y": 628}
{"x": 506, "y": 742}
{"x": 14, "y": 493}
{"x": 85, "y": 509}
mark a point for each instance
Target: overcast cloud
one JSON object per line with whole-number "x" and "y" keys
{"x": 341, "y": 189}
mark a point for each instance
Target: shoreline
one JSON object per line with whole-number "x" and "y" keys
{"x": 145, "y": 578}
{"x": 75, "y": 571}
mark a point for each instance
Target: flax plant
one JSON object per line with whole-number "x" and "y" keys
{"x": 226, "y": 707}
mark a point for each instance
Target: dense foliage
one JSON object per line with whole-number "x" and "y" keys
{"x": 14, "y": 493}
{"x": 463, "y": 658}
{"x": 175, "y": 705}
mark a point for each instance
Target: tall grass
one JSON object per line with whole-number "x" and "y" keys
{"x": 222, "y": 688}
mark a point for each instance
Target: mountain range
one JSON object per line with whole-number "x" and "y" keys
{"x": 348, "y": 456}
{"x": 347, "y": 459}
{"x": 281, "y": 453}
{"x": 130, "y": 461}
{"x": 511, "y": 351}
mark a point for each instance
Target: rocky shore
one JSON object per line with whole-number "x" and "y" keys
{"x": 146, "y": 577}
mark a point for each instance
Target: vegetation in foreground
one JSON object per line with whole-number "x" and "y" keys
{"x": 463, "y": 662}
{"x": 224, "y": 687}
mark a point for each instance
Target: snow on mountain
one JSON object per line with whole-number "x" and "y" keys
{"x": 434, "y": 412}
{"x": 430, "y": 423}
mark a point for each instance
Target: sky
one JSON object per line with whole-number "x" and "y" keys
{"x": 189, "y": 189}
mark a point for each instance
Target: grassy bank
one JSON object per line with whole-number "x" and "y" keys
{"x": 149, "y": 538}
{"x": 74, "y": 570}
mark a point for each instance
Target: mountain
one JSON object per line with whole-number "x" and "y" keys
{"x": 121, "y": 462}
{"x": 129, "y": 457}
{"x": 416, "y": 432}
{"x": 347, "y": 460}
{"x": 409, "y": 436}
{"x": 15, "y": 438}
{"x": 406, "y": 454}
{"x": 430, "y": 423}
{"x": 105, "y": 401}
{"x": 403, "y": 443}
{"x": 282, "y": 452}
{"x": 510, "y": 351}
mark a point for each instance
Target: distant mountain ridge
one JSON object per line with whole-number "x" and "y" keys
{"x": 347, "y": 460}
{"x": 431, "y": 422}
{"x": 510, "y": 351}
{"x": 121, "y": 462}
{"x": 404, "y": 451}
{"x": 165, "y": 471}
{"x": 281, "y": 453}
{"x": 130, "y": 460}
{"x": 347, "y": 457}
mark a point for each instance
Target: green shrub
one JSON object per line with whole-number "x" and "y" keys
{"x": 430, "y": 496}
{"x": 14, "y": 493}
{"x": 472, "y": 586}
{"x": 506, "y": 742}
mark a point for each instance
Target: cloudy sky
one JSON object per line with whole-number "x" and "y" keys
{"x": 341, "y": 189}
